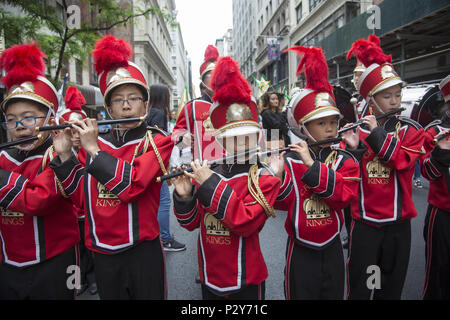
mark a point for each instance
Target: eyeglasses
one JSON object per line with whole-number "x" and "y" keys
{"x": 25, "y": 122}
{"x": 134, "y": 101}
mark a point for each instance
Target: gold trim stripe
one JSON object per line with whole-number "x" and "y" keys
{"x": 415, "y": 151}
{"x": 236, "y": 125}
{"x": 317, "y": 111}
{"x": 381, "y": 83}
{"x": 31, "y": 94}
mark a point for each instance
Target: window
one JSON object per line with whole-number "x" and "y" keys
{"x": 313, "y": 4}
{"x": 298, "y": 12}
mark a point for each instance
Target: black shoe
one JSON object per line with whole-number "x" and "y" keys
{"x": 418, "y": 184}
{"x": 93, "y": 289}
{"x": 173, "y": 245}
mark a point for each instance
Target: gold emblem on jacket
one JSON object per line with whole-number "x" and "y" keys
{"x": 104, "y": 193}
{"x": 376, "y": 169}
{"x": 215, "y": 227}
{"x": 7, "y": 213}
{"x": 12, "y": 218}
{"x": 315, "y": 208}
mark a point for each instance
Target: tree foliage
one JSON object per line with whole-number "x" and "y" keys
{"x": 46, "y": 22}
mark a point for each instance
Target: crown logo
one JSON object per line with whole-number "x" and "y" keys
{"x": 376, "y": 169}
{"x": 215, "y": 227}
{"x": 104, "y": 193}
{"x": 315, "y": 208}
{"x": 10, "y": 214}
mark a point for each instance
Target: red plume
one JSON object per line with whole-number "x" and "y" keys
{"x": 22, "y": 63}
{"x": 211, "y": 54}
{"x": 74, "y": 99}
{"x": 369, "y": 51}
{"x": 229, "y": 84}
{"x": 314, "y": 65}
{"x": 111, "y": 53}
{"x": 374, "y": 39}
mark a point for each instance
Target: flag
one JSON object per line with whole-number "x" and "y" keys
{"x": 273, "y": 49}
{"x": 263, "y": 85}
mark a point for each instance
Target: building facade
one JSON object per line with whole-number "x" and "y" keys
{"x": 153, "y": 43}
{"x": 180, "y": 66}
{"x": 244, "y": 36}
{"x": 415, "y": 33}
{"x": 225, "y": 44}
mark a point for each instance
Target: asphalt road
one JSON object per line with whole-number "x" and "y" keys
{"x": 182, "y": 266}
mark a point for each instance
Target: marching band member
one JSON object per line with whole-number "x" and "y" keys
{"x": 115, "y": 174}
{"x": 39, "y": 228}
{"x": 435, "y": 168}
{"x": 319, "y": 182}
{"x": 194, "y": 118}
{"x": 388, "y": 151}
{"x": 230, "y": 203}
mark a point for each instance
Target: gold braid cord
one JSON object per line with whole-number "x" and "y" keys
{"x": 396, "y": 134}
{"x": 331, "y": 159}
{"x": 49, "y": 155}
{"x": 255, "y": 191}
{"x": 397, "y": 129}
{"x": 158, "y": 155}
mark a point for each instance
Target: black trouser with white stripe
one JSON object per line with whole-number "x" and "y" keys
{"x": 378, "y": 252}
{"x": 47, "y": 280}
{"x": 137, "y": 273}
{"x": 312, "y": 274}
{"x": 437, "y": 251}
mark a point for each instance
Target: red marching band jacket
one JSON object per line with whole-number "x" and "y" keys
{"x": 435, "y": 166}
{"x": 316, "y": 197}
{"x": 37, "y": 222}
{"x": 204, "y": 144}
{"x": 230, "y": 220}
{"x": 119, "y": 189}
{"x": 387, "y": 158}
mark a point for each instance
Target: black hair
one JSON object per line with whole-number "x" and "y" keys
{"x": 160, "y": 98}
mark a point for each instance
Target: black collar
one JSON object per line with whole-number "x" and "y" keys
{"x": 21, "y": 155}
{"x": 118, "y": 140}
